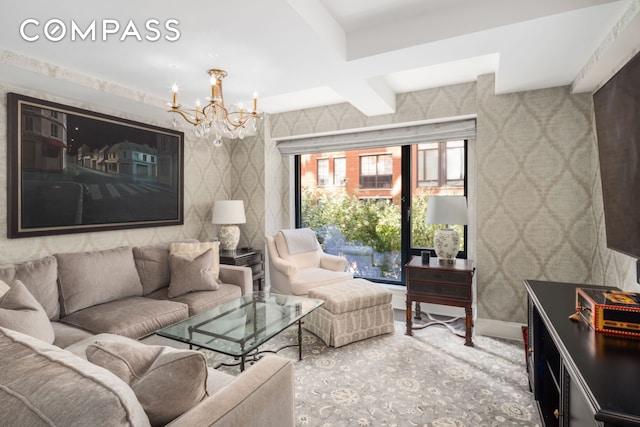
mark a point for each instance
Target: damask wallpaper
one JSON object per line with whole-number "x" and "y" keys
{"x": 534, "y": 187}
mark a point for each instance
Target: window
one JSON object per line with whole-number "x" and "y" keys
{"x": 340, "y": 171}
{"x": 440, "y": 164}
{"x": 454, "y": 164}
{"x": 376, "y": 171}
{"x": 54, "y": 130}
{"x": 368, "y": 222}
{"x": 144, "y": 157}
{"x": 28, "y": 123}
{"x": 323, "y": 172}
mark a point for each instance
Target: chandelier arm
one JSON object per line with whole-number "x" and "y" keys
{"x": 186, "y": 113}
{"x": 244, "y": 120}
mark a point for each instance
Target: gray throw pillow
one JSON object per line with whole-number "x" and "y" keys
{"x": 166, "y": 381}
{"x": 191, "y": 275}
{"x": 20, "y": 312}
{"x": 193, "y": 249}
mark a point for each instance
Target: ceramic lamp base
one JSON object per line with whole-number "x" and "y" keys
{"x": 229, "y": 237}
{"x": 446, "y": 242}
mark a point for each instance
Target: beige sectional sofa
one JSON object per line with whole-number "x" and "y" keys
{"x": 105, "y": 301}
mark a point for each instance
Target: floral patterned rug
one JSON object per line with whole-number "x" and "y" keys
{"x": 430, "y": 379}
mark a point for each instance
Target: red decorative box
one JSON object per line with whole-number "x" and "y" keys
{"x": 610, "y": 310}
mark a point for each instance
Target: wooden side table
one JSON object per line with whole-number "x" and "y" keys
{"x": 252, "y": 258}
{"x": 440, "y": 283}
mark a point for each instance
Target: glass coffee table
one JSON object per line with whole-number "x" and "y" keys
{"x": 239, "y": 327}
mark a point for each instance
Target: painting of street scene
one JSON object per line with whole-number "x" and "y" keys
{"x": 81, "y": 171}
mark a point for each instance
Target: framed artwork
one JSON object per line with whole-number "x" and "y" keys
{"x": 71, "y": 171}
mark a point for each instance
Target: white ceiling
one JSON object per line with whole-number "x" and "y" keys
{"x": 305, "y": 53}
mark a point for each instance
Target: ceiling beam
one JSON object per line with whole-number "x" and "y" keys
{"x": 323, "y": 23}
{"x": 373, "y": 96}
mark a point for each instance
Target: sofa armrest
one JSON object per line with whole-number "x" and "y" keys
{"x": 263, "y": 395}
{"x": 237, "y": 275}
{"x": 333, "y": 262}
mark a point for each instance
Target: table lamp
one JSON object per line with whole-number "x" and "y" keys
{"x": 228, "y": 213}
{"x": 447, "y": 210}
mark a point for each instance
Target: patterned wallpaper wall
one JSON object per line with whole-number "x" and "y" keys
{"x": 535, "y": 194}
{"x": 535, "y": 168}
{"x": 533, "y": 180}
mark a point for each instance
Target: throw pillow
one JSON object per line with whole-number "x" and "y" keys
{"x": 20, "y": 311}
{"x": 3, "y": 288}
{"x": 166, "y": 381}
{"x": 189, "y": 275}
{"x": 192, "y": 250}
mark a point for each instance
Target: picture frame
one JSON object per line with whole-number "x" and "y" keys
{"x": 71, "y": 170}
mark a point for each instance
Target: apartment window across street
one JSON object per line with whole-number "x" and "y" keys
{"x": 440, "y": 164}
{"x": 340, "y": 171}
{"x": 376, "y": 171}
{"x": 323, "y": 172}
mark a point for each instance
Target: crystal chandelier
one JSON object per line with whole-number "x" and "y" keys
{"x": 214, "y": 118}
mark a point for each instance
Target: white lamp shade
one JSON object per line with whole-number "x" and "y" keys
{"x": 228, "y": 212}
{"x": 447, "y": 210}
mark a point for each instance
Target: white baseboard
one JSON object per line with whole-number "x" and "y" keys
{"x": 499, "y": 329}
{"x": 486, "y": 327}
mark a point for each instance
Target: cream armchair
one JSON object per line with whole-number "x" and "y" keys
{"x": 298, "y": 264}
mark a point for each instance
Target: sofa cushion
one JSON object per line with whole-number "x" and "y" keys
{"x": 41, "y": 384}
{"x": 152, "y": 263}
{"x": 20, "y": 311}
{"x": 310, "y": 278}
{"x": 192, "y": 250}
{"x": 300, "y": 260}
{"x": 67, "y": 335}
{"x": 200, "y": 301}
{"x": 189, "y": 275}
{"x": 90, "y": 278}
{"x": 40, "y": 277}
{"x": 133, "y": 317}
{"x": 166, "y": 381}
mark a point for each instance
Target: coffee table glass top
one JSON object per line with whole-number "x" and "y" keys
{"x": 240, "y": 326}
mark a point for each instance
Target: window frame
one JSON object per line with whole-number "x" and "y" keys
{"x": 407, "y": 251}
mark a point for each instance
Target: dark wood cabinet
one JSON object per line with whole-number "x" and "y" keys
{"x": 441, "y": 283}
{"x": 252, "y": 258}
{"x": 578, "y": 377}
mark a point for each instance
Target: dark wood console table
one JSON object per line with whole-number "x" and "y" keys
{"x": 578, "y": 377}
{"x": 437, "y": 283}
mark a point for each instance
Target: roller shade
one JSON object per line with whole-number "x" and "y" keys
{"x": 414, "y": 134}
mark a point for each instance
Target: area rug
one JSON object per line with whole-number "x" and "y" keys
{"x": 430, "y": 379}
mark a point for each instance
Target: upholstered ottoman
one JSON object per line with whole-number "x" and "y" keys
{"x": 354, "y": 310}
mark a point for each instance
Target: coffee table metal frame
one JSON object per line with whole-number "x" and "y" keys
{"x": 239, "y": 327}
